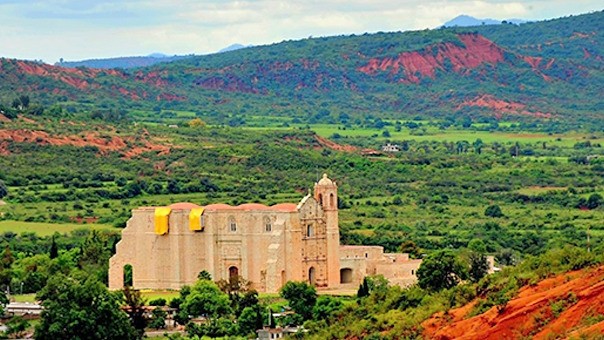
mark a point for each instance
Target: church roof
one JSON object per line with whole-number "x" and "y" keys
{"x": 281, "y": 207}
{"x": 183, "y": 206}
{"x": 325, "y": 180}
{"x": 287, "y": 207}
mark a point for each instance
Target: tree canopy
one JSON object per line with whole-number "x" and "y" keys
{"x": 75, "y": 309}
{"x": 301, "y": 297}
{"x": 440, "y": 270}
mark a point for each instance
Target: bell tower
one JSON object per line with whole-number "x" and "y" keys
{"x": 326, "y": 193}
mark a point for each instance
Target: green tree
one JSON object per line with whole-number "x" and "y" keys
{"x": 477, "y": 245}
{"x": 363, "y": 288}
{"x": 158, "y": 318}
{"x": 17, "y": 326}
{"x": 6, "y": 262}
{"x": 301, "y": 297}
{"x": 250, "y": 320}
{"x": 204, "y": 275}
{"x": 326, "y": 307}
{"x": 3, "y": 302}
{"x": 206, "y": 299}
{"x": 479, "y": 266}
{"x": 54, "y": 250}
{"x": 3, "y": 190}
{"x": 135, "y": 309}
{"x": 594, "y": 201}
{"x": 493, "y": 211}
{"x": 440, "y": 270}
{"x": 411, "y": 248}
{"x": 81, "y": 310}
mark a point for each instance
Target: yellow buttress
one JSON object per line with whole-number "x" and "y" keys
{"x": 162, "y": 216}
{"x": 195, "y": 219}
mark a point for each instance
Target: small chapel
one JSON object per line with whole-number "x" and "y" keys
{"x": 168, "y": 247}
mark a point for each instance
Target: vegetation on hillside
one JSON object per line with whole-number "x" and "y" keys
{"x": 544, "y": 72}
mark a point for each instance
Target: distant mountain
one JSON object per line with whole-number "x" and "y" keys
{"x": 468, "y": 21}
{"x": 123, "y": 62}
{"x": 233, "y": 47}
{"x": 538, "y": 71}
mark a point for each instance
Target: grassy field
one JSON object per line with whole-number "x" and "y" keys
{"x": 432, "y": 133}
{"x": 45, "y": 229}
{"x": 455, "y": 135}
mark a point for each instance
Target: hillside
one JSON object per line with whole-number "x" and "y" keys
{"x": 570, "y": 304}
{"x": 552, "y": 69}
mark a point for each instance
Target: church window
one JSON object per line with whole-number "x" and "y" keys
{"x": 268, "y": 226}
{"x": 232, "y": 224}
{"x": 320, "y": 199}
{"x": 309, "y": 231}
{"x": 311, "y": 276}
{"x": 331, "y": 201}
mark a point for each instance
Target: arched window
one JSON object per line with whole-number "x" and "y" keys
{"x": 311, "y": 276}
{"x": 331, "y": 201}
{"x": 268, "y": 226}
{"x": 232, "y": 224}
{"x": 309, "y": 231}
{"x": 321, "y": 199}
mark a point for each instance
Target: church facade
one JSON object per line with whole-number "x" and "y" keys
{"x": 168, "y": 247}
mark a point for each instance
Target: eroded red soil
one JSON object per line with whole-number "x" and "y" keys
{"x": 477, "y": 50}
{"x": 502, "y": 106}
{"x": 568, "y": 305}
{"x": 128, "y": 146}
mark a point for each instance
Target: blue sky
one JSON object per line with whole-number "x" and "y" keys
{"x": 84, "y": 29}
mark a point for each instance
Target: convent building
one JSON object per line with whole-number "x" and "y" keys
{"x": 168, "y": 247}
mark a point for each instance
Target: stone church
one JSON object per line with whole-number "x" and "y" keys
{"x": 167, "y": 247}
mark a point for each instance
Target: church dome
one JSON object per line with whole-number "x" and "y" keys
{"x": 325, "y": 180}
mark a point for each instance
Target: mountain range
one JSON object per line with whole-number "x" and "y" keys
{"x": 136, "y": 61}
{"x": 467, "y": 21}
{"x": 551, "y": 70}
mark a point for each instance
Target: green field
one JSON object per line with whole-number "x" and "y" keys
{"x": 46, "y": 229}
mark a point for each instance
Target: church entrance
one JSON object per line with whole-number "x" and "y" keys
{"x": 233, "y": 272}
{"x": 345, "y": 275}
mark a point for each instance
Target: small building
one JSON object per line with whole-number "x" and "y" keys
{"x": 24, "y": 308}
{"x": 278, "y": 332}
{"x": 391, "y": 148}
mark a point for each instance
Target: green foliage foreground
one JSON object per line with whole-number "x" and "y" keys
{"x": 81, "y": 309}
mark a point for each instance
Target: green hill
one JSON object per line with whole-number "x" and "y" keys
{"x": 551, "y": 70}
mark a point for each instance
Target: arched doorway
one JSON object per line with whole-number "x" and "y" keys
{"x": 345, "y": 275}
{"x": 233, "y": 272}
{"x": 311, "y": 276}
{"x": 128, "y": 275}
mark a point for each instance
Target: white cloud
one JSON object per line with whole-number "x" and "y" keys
{"x": 77, "y": 29}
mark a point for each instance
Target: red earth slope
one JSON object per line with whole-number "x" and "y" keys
{"x": 475, "y": 51}
{"x": 568, "y": 305}
{"x": 127, "y": 146}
